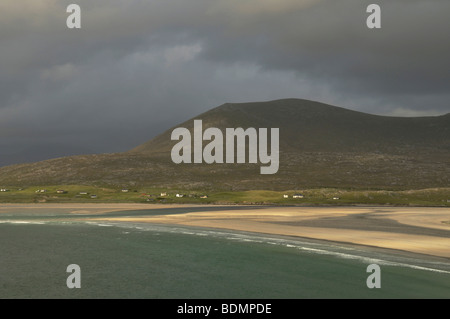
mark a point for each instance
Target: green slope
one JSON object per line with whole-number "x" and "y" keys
{"x": 320, "y": 146}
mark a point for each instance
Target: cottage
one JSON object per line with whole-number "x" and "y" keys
{"x": 61, "y": 191}
{"x": 163, "y": 194}
{"x": 179, "y": 195}
{"x": 336, "y": 198}
{"x": 203, "y": 196}
{"x": 93, "y": 196}
{"x": 297, "y": 196}
{"x": 83, "y": 193}
{"x": 4, "y": 190}
{"x": 285, "y": 196}
{"x": 125, "y": 190}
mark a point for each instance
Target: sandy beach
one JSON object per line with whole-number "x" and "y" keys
{"x": 424, "y": 230}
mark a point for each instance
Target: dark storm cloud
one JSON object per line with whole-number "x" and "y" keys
{"x": 136, "y": 68}
{"x": 329, "y": 43}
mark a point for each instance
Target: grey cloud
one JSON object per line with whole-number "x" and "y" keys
{"x": 329, "y": 41}
{"x": 136, "y": 68}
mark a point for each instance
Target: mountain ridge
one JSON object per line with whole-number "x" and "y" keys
{"x": 320, "y": 146}
{"x": 303, "y": 112}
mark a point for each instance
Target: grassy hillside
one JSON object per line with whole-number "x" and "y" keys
{"x": 312, "y": 126}
{"x": 322, "y": 196}
{"x": 321, "y": 146}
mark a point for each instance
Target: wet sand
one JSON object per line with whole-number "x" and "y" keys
{"x": 423, "y": 230}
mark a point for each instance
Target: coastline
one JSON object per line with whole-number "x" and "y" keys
{"x": 421, "y": 230}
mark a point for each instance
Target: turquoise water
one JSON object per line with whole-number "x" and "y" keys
{"x": 132, "y": 260}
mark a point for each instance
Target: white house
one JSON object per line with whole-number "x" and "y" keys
{"x": 285, "y": 196}
{"x": 179, "y": 195}
{"x": 297, "y": 196}
{"x": 163, "y": 194}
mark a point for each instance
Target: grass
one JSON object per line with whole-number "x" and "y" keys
{"x": 319, "y": 196}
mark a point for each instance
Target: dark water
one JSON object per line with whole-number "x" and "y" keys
{"x": 131, "y": 260}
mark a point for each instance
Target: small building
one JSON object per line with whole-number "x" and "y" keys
{"x": 61, "y": 191}
{"x": 83, "y": 193}
{"x": 93, "y": 196}
{"x": 125, "y": 190}
{"x": 285, "y": 196}
{"x": 163, "y": 194}
{"x": 297, "y": 196}
{"x": 179, "y": 195}
{"x": 4, "y": 190}
{"x": 336, "y": 198}
{"x": 203, "y": 196}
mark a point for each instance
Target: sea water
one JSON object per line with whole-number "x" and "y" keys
{"x": 142, "y": 260}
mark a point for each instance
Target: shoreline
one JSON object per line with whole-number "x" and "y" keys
{"x": 391, "y": 251}
{"x": 421, "y": 230}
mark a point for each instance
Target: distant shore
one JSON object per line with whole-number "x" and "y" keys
{"x": 424, "y": 230}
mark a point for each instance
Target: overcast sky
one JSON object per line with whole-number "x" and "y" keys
{"x": 138, "y": 67}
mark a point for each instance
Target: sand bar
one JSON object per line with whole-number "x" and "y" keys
{"x": 418, "y": 230}
{"x": 424, "y": 230}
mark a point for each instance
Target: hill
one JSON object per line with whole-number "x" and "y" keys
{"x": 320, "y": 146}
